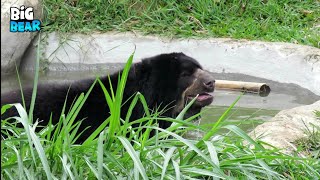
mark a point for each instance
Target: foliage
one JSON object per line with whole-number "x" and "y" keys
{"x": 122, "y": 150}
{"x": 269, "y": 20}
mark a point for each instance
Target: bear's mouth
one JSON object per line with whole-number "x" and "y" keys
{"x": 203, "y": 99}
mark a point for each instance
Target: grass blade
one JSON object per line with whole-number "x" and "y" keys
{"x": 216, "y": 126}
{"x": 194, "y": 148}
{"x": 94, "y": 171}
{"x": 35, "y": 82}
{"x": 244, "y": 135}
{"x": 213, "y": 152}
{"x": 4, "y": 108}
{"x": 176, "y": 169}
{"x": 184, "y": 110}
{"x": 202, "y": 172}
{"x": 213, "y": 130}
{"x": 100, "y": 155}
{"x": 33, "y": 139}
{"x": 96, "y": 132}
{"x": 134, "y": 157}
{"x": 167, "y": 158}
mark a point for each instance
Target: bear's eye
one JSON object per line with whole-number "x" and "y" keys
{"x": 185, "y": 73}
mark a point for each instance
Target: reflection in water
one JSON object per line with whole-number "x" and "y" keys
{"x": 245, "y": 118}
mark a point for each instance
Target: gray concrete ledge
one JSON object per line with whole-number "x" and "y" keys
{"x": 288, "y": 126}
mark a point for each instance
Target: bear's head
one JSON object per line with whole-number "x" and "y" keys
{"x": 177, "y": 79}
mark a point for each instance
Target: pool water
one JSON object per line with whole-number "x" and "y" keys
{"x": 245, "y": 118}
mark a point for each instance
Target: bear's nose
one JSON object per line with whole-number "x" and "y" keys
{"x": 209, "y": 84}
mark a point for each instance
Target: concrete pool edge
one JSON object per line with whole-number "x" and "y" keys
{"x": 288, "y": 126}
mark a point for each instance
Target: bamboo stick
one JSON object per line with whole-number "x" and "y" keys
{"x": 251, "y": 87}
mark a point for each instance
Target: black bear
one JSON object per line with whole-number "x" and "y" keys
{"x": 167, "y": 79}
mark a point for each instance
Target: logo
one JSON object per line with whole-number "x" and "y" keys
{"x": 21, "y": 20}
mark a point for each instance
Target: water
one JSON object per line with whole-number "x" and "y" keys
{"x": 248, "y": 112}
{"x": 251, "y": 109}
{"x": 244, "y": 117}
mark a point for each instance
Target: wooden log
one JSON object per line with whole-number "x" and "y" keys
{"x": 250, "y": 87}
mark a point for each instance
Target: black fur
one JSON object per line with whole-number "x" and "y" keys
{"x": 161, "y": 79}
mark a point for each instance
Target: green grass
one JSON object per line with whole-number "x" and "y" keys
{"x": 116, "y": 151}
{"x": 292, "y": 21}
{"x": 311, "y": 144}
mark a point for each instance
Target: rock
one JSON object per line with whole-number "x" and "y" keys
{"x": 13, "y": 45}
{"x": 281, "y": 62}
{"x": 288, "y": 126}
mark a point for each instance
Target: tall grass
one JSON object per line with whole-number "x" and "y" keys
{"x": 123, "y": 149}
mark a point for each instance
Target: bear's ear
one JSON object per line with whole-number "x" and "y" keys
{"x": 176, "y": 56}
